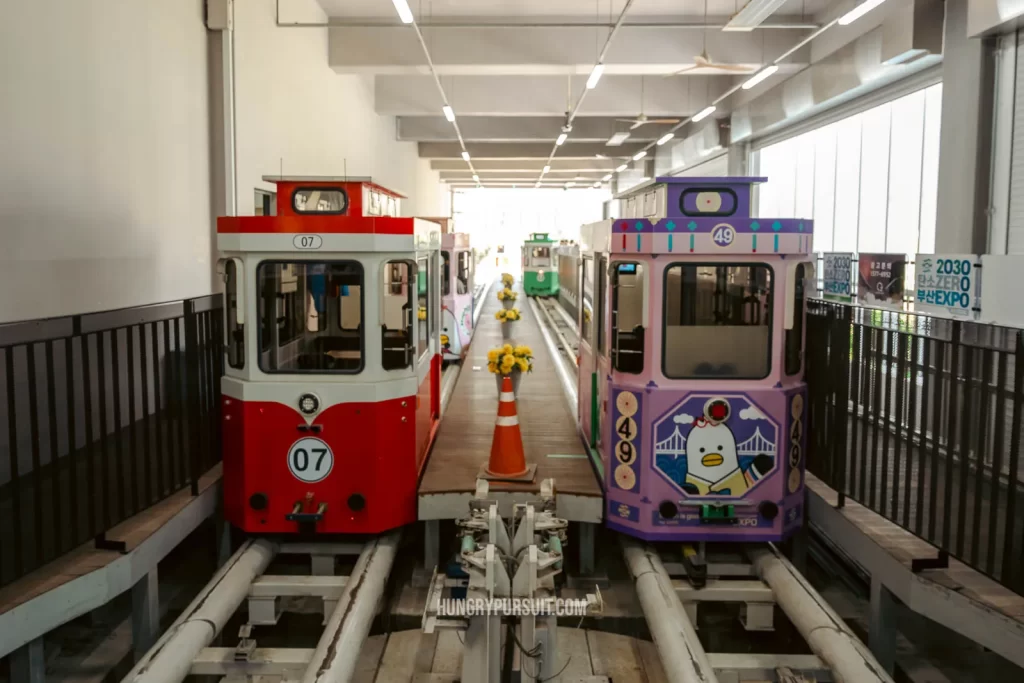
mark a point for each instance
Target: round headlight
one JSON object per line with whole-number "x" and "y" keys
{"x": 309, "y": 404}
{"x": 717, "y": 410}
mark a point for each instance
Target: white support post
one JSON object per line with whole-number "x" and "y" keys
{"x": 882, "y": 632}
{"x": 28, "y": 663}
{"x": 145, "y": 613}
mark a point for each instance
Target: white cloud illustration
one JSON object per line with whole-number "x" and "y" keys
{"x": 683, "y": 419}
{"x": 751, "y": 413}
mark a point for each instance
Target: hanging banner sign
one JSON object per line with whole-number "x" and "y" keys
{"x": 881, "y": 279}
{"x": 837, "y": 277}
{"x": 946, "y": 283}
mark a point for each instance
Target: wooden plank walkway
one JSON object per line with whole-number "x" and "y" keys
{"x": 550, "y": 436}
{"x": 86, "y": 558}
{"x": 587, "y": 657}
{"x": 906, "y": 547}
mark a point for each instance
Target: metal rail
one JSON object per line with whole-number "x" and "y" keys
{"x": 682, "y": 656}
{"x": 567, "y": 348}
{"x": 171, "y": 659}
{"x": 826, "y": 633}
{"x": 334, "y": 660}
{"x": 837, "y": 648}
{"x": 349, "y": 603}
{"x": 564, "y": 375}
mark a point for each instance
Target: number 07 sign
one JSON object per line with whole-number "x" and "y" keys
{"x": 310, "y": 460}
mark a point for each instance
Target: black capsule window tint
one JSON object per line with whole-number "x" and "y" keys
{"x": 325, "y": 200}
{"x": 708, "y": 201}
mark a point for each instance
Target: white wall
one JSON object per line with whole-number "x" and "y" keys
{"x": 104, "y": 155}
{"x": 294, "y": 112}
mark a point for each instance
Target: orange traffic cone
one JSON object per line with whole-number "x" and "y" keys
{"x": 508, "y": 462}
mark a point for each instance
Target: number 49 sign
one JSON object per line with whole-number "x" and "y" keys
{"x": 310, "y": 460}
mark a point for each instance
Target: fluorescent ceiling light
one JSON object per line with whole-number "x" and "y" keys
{"x": 404, "y": 13}
{"x": 449, "y": 113}
{"x": 595, "y": 76}
{"x": 597, "y": 184}
{"x": 538, "y": 184}
{"x": 561, "y": 138}
{"x": 465, "y": 156}
{"x": 617, "y": 139}
{"x": 859, "y": 11}
{"x": 704, "y": 113}
{"x": 570, "y": 184}
{"x": 640, "y": 155}
{"x": 665, "y": 138}
{"x": 622, "y": 168}
{"x": 760, "y": 76}
{"x": 753, "y": 15}
{"x": 546, "y": 169}
{"x": 607, "y": 177}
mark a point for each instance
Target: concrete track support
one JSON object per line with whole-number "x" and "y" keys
{"x": 825, "y": 632}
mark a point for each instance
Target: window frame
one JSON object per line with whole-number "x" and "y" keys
{"x": 462, "y": 255}
{"x": 717, "y": 264}
{"x": 234, "y": 323}
{"x": 346, "y": 202}
{"x": 388, "y": 268}
{"x": 362, "y": 316}
{"x": 613, "y": 316}
{"x": 446, "y": 273}
{"x": 422, "y": 355}
{"x": 600, "y": 293}
{"x": 586, "y": 325}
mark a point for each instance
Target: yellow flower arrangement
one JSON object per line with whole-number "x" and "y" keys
{"x": 504, "y": 359}
{"x": 508, "y": 316}
{"x": 422, "y": 314}
{"x": 506, "y": 279}
{"x": 506, "y": 295}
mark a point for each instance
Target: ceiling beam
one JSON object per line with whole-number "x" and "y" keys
{"x": 523, "y": 176}
{"x": 528, "y": 165}
{"x": 524, "y": 150}
{"x": 547, "y": 51}
{"x": 530, "y": 20}
{"x": 525, "y": 128}
{"x": 615, "y": 96}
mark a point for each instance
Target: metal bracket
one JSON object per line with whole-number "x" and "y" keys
{"x": 246, "y": 645}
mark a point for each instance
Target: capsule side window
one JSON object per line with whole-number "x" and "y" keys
{"x": 708, "y": 201}
{"x": 320, "y": 200}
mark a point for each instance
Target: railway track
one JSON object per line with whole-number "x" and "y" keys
{"x": 670, "y": 589}
{"x": 761, "y": 578}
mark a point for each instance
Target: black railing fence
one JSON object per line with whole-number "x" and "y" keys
{"x": 919, "y": 419}
{"x": 105, "y": 414}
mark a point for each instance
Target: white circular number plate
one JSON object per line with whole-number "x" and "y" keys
{"x": 307, "y": 241}
{"x": 310, "y": 460}
{"x": 722, "y": 235}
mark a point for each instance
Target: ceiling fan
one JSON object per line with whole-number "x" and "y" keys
{"x": 703, "y": 61}
{"x": 642, "y": 120}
